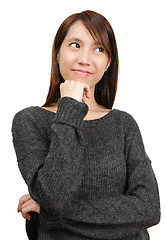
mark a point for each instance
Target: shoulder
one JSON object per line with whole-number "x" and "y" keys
{"x": 125, "y": 117}
{"x": 29, "y": 130}
{"x": 27, "y": 113}
{"x": 126, "y": 120}
{"x": 31, "y": 122}
{"x": 29, "y": 118}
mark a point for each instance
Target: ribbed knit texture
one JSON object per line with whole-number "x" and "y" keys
{"x": 91, "y": 178}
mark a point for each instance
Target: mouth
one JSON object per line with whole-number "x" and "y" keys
{"x": 82, "y": 72}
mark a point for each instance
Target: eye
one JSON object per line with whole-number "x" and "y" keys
{"x": 75, "y": 45}
{"x": 99, "y": 49}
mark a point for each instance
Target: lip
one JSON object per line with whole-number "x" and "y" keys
{"x": 82, "y": 72}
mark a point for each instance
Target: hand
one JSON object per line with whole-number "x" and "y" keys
{"x": 27, "y": 204}
{"x": 75, "y": 89}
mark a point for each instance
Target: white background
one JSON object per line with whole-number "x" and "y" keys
{"x": 27, "y": 32}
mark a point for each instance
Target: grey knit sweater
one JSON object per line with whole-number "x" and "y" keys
{"x": 91, "y": 178}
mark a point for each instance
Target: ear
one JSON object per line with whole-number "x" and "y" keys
{"x": 108, "y": 64}
{"x": 57, "y": 57}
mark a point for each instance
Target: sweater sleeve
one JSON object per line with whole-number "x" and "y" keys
{"x": 125, "y": 215}
{"x": 52, "y": 173}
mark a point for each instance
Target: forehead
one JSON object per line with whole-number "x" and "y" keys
{"x": 78, "y": 31}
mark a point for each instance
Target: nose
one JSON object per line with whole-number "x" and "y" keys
{"x": 84, "y": 57}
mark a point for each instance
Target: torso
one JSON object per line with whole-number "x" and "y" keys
{"x": 91, "y": 115}
{"x": 96, "y": 114}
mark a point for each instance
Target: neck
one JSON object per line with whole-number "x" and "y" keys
{"x": 91, "y": 102}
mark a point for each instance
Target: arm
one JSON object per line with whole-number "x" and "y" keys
{"x": 53, "y": 173}
{"x": 127, "y": 214}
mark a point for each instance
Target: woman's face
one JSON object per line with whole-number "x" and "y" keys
{"x": 81, "y": 58}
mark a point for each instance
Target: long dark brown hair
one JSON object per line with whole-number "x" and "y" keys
{"x": 101, "y": 30}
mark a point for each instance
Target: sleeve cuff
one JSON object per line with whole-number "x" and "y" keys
{"x": 70, "y": 111}
{"x": 50, "y": 222}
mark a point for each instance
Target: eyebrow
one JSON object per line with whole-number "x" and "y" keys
{"x": 79, "y": 40}
{"x": 74, "y": 39}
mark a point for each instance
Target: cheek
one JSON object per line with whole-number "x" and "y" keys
{"x": 102, "y": 62}
{"x": 101, "y": 68}
{"x": 100, "y": 74}
{"x": 64, "y": 64}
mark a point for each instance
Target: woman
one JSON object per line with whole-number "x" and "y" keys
{"x": 85, "y": 164}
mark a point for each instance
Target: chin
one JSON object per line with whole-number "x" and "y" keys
{"x": 81, "y": 79}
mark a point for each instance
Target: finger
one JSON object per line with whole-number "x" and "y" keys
{"x": 26, "y": 216}
{"x": 22, "y": 200}
{"x": 30, "y": 208}
{"x": 61, "y": 85}
{"x": 31, "y": 205}
{"x": 87, "y": 91}
{"x": 86, "y": 95}
{"x": 84, "y": 98}
{"x": 27, "y": 203}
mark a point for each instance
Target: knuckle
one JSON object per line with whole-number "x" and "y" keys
{"x": 23, "y": 211}
{"x": 23, "y": 215}
{"x": 61, "y": 85}
{"x": 20, "y": 200}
